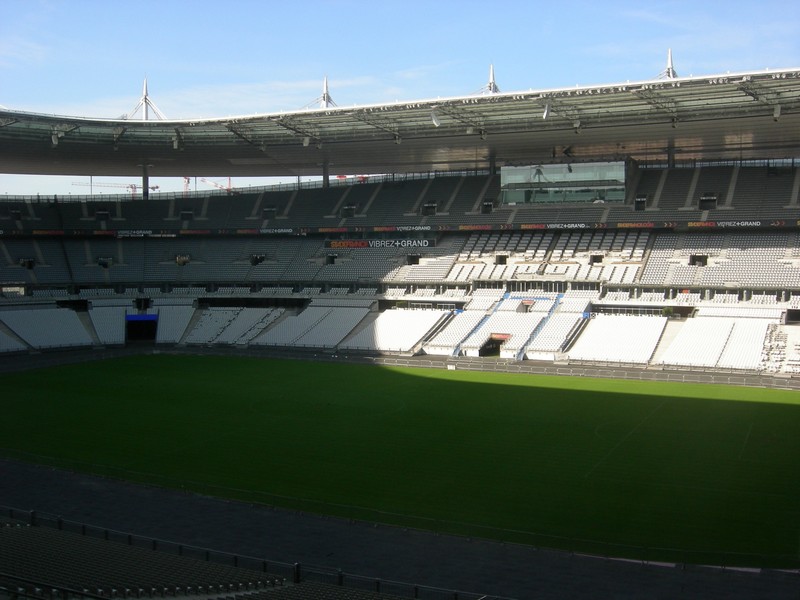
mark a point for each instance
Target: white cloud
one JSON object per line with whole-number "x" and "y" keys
{"x": 19, "y": 52}
{"x": 419, "y": 72}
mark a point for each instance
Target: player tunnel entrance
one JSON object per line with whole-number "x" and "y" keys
{"x": 141, "y": 328}
{"x": 491, "y": 347}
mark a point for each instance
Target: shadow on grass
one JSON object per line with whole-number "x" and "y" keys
{"x": 619, "y": 472}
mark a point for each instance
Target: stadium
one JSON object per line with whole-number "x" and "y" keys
{"x": 566, "y": 321}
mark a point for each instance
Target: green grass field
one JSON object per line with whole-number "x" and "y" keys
{"x": 680, "y": 472}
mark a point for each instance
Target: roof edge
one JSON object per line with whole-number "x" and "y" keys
{"x": 793, "y": 73}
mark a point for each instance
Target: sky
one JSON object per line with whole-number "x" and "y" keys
{"x": 218, "y": 58}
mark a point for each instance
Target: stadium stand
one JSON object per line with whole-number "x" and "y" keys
{"x": 109, "y": 323}
{"x": 247, "y": 324}
{"x": 333, "y": 328}
{"x": 394, "y": 331}
{"x": 103, "y": 567}
{"x": 172, "y": 322}
{"x": 551, "y": 338}
{"x": 47, "y": 327}
{"x": 512, "y": 328}
{"x": 293, "y": 327}
{"x": 694, "y": 266}
{"x": 43, "y": 557}
{"x": 459, "y": 327}
{"x": 718, "y": 342}
{"x": 619, "y": 338}
{"x": 728, "y": 274}
{"x": 10, "y": 343}
{"x": 210, "y": 325}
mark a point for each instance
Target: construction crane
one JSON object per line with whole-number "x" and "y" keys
{"x": 227, "y": 188}
{"x": 133, "y": 187}
{"x": 358, "y": 178}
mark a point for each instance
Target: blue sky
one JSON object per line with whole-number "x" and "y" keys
{"x": 235, "y": 57}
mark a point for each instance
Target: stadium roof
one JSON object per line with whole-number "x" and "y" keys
{"x": 734, "y": 116}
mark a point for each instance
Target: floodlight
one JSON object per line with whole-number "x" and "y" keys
{"x": 546, "y": 112}
{"x": 435, "y": 119}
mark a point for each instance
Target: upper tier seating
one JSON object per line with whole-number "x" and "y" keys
{"x": 743, "y": 193}
{"x": 735, "y": 258}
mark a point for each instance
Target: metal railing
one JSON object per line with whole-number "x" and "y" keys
{"x": 277, "y": 187}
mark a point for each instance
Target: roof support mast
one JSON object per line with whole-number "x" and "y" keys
{"x": 324, "y": 101}
{"x": 491, "y": 85}
{"x": 669, "y": 72}
{"x": 145, "y": 103}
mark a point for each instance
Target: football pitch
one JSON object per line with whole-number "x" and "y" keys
{"x": 675, "y": 472}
